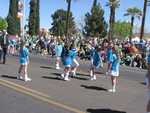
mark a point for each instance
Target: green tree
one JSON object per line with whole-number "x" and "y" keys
{"x": 122, "y": 29}
{"x": 12, "y": 19}
{"x": 134, "y": 13}
{"x": 59, "y": 23}
{"x": 95, "y": 24}
{"x": 3, "y": 24}
{"x": 34, "y": 17}
{"x": 113, "y": 4}
{"x": 37, "y": 17}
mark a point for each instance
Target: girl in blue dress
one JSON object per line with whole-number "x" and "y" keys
{"x": 114, "y": 69}
{"x": 96, "y": 61}
{"x": 58, "y": 51}
{"x": 67, "y": 61}
{"x": 24, "y": 61}
{"x": 109, "y": 56}
{"x": 75, "y": 63}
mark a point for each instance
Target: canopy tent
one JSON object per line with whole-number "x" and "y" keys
{"x": 137, "y": 40}
{"x": 13, "y": 37}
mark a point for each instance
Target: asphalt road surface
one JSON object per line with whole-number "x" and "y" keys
{"x": 14, "y": 102}
{"x": 79, "y": 94}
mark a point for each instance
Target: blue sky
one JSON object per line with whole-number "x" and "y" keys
{"x": 79, "y": 8}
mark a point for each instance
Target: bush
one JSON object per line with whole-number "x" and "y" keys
{"x": 3, "y": 24}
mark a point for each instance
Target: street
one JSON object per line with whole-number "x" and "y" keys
{"x": 14, "y": 102}
{"x": 47, "y": 93}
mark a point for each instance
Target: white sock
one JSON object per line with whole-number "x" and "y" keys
{"x": 91, "y": 73}
{"x": 114, "y": 87}
{"x": 57, "y": 65}
{"x": 67, "y": 75}
{"x": 73, "y": 72}
{"x": 25, "y": 76}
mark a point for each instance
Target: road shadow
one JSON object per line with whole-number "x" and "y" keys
{"x": 7, "y": 76}
{"x": 52, "y": 78}
{"x": 97, "y": 72}
{"x": 103, "y": 111}
{"x": 143, "y": 83}
{"x": 81, "y": 74}
{"x": 46, "y": 67}
{"x": 80, "y": 78}
{"x": 56, "y": 74}
{"x": 94, "y": 88}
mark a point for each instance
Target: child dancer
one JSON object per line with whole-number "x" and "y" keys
{"x": 24, "y": 61}
{"x": 58, "y": 51}
{"x": 75, "y": 62}
{"x": 96, "y": 62}
{"x": 67, "y": 62}
{"x": 109, "y": 56}
{"x": 114, "y": 69}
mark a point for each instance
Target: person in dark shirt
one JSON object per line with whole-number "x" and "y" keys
{"x": 4, "y": 45}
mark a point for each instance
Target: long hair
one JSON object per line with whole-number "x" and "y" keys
{"x": 116, "y": 52}
{"x": 22, "y": 44}
{"x": 66, "y": 49}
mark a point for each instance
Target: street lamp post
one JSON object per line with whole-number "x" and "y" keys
{"x": 68, "y": 19}
{"x": 21, "y": 15}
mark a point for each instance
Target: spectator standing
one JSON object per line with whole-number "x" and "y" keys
{"x": 4, "y": 45}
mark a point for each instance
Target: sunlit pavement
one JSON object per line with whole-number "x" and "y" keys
{"x": 77, "y": 95}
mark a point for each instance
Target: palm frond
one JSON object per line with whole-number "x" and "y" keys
{"x": 126, "y": 14}
{"x": 134, "y": 11}
{"x": 113, "y": 3}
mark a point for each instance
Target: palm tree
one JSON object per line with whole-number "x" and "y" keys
{"x": 113, "y": 4}
{"x": 134, "y": 13}
{"x": 143, "y": 18}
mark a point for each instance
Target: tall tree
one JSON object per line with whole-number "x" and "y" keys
{"x": 94, "y": 3}
{"x": 122, "y": 29}
{"x": 134, "y": 13}
{"x": 34, "y": 17}
{"x": 37, "y": 17}
{"x": 59, "y": 23}
{"x": 12, "y": 19}
{"x": 95, "y": 24}
{"x": 143, "y": 18}
{"x": 113, "y": 4}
